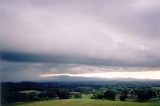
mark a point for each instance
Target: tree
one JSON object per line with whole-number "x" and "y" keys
{"x": 123, "y": 95}
{"x": 63, "y": 94}
{"x": 110, "y": 95}
{"x": 145, "y": 94}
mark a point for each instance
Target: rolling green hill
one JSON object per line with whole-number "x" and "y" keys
{"x": 88, "y": 102}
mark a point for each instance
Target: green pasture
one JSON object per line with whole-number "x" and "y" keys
{"x": 88, "y": 102}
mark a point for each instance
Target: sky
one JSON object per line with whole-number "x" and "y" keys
{"x": 46, "y": 39}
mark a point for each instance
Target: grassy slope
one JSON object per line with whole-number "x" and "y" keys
{"x": 88, "y": 102}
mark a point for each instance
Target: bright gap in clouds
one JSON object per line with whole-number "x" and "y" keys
{"x": 135, "y": 75}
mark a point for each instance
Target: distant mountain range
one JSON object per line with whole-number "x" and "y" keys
{"x": 68, "y": 78}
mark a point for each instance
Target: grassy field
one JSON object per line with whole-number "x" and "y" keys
{"x": 88, "y": 102}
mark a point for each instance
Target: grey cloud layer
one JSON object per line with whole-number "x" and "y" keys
{"x": 126, "y": 31}
{"x": 80, "y": 32}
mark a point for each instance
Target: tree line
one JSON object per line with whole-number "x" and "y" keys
{"x": 141, "y": 94}
{"x": 18, "y": 96}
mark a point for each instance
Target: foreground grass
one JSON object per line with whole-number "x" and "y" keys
{"x": 88, "y": 102}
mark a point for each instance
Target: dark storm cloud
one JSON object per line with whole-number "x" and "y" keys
{"x": 28, "y": 57}
{"x": 31, "y": 58}
{"x": 36, "y": 58}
